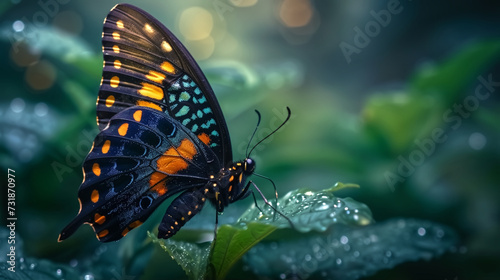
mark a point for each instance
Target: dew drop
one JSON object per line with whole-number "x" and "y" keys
{"x": 32, "y": 266}
{"x": 41, "y": 109}
{"x": 439, "y": 233}
{"x": 282, "y": 276}
{"x": 73, "y": 263}
{"x": 344, "y": 239}
{"x": 307, "y": 258}
{"x": 388, "y": 253}
{"x": 338, "y": 261}
{"x": 17, "y": 105}
{"x": 421, "y": 231}
{"x": 18, "y": 26}
{"x": 355, "y": 254}
{"x": 59, "y": 272}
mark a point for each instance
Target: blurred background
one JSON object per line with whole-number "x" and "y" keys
{"x": 400, "y": 97}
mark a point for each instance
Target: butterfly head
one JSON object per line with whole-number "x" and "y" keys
{"x": 248, "y": 166}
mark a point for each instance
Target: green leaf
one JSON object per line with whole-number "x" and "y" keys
{"x": 450, "y": 78}
{"x": 191, "y": 257}
{"x": 232, "y": 243}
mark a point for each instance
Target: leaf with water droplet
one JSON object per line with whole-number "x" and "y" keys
{"x": 191, "y": 257}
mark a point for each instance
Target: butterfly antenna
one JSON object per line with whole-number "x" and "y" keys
{"x": 254, "y": 131}
{"x": 272, "y": 132}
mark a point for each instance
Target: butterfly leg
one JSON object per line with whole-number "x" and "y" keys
{"x": 181, "y": 210}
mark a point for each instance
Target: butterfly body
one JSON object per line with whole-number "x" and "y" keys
{"x": 162, "y": 134}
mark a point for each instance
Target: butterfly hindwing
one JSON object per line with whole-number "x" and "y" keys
{"x": 146, "y": 65}
{"x": 142, "y": 157}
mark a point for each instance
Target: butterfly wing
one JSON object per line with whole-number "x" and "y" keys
{"x": 142, "y": 157}
{"x": 146, "y": 65}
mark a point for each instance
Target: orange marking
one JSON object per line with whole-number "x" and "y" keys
{"x": 135, "y": 224}
{"x": 94, "y": 196}
{"x": 204, "y": 138}
{"x": 166, "y": 46}
{"x": 148, "y": 104}
{"x": 148, "y": 28}
{"x": 231, "y": 178}
{"x": 241, "y": 177}
{"x": 230, "y": 188}
{"x": 151, "y": 91}
{"x": 105, "y": 146}
{"x": 168, "y": 67}
{"x": 114, "y": 82}
{"x": 116, "y": 49}
{"x": 117, "y": 64}
{"x": 116, "y": 35}
{"x": 156, "y": 77}
{"x": 119, "y": 24}
{"x": 171, "y": 162}
{"x": 80, "y": 202}
{"x": 99, "y": 219}
{"x": 138, "y": 115}
{"x": 102, "y": 79}
{"x": 96, "y": 169}
{"x": 103, "y": 233}
{"x": 110, "y": 101}
{"x": 122, "y": 130}
{"x": 125, "y": 231}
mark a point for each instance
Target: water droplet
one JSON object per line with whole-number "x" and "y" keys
{"x": 17, "y": 105}
{"x": 355, "y": 254}
{"x": 344, "y": 239}
{"x": 477, "y": 141}
{"x": 73, "y": 263}
{"x": 439, "y": 233}
{"x": 18, "y": 26}
{"x": 59, "y": 272}
{"x": 421, "y": 231}
{"x": 307, "y": 257}
{"x": 338, "y": 261}
{"x": 388, "y": 253}
{"x": 41, "y": 109}
{"x": 88, "y": 277}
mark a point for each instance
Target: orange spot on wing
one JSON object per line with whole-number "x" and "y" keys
{"x": 204, "y": 138}
{"x": 138, "y": 115}
{"x": 105, "y": 146}
{"x": 148, "y": 104}
{"x": 155, "y": 76}
{"x": 103, "y": 233}
{"x": 114, "y": 82}
{"x": 122, "y": 130}
{"x": 99, "y": 219}
{"x": 171, "y": 162}
{"x": 168, "y": 67}
{"x": 96, "y": 169}
{"x": 94, "y": 196}
{"x": 125, "y": 231}
{"x": 135, "y": 224}
{"x": 151, "y": 91}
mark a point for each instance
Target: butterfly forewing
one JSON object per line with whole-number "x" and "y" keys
{"x": 146, "y": 65}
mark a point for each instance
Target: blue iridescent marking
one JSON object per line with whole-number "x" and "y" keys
{"x": 184, "y": 96}
{"x": 213, "y": 145}
{"x": 207, "y": 110}
{"x": 193, "y": 84}
{"x": 207, "y": 124}
{"x": 186, "y": 121}
{"x": 199, "y": 114}
{"x": 172, "y": 98}
{"x": 194, "y": 128}
{"x": 214, "y": 133}
{"x": 202, "y": 100}
{"x": 184, "y": 110}
{"x": 193, "y": 117}
{"x": 197, "y": 91}
{"x": 172, "y": 107}
{"x": 185, "y": 84}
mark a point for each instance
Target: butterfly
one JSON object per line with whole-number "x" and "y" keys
{"x": 162, "y": 132}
